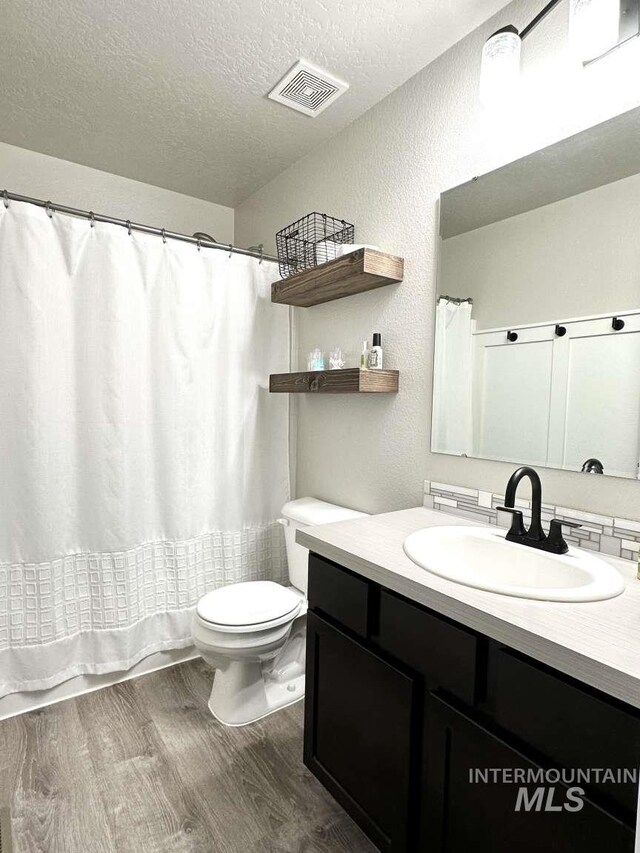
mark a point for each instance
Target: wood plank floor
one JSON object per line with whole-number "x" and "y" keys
{"x": 143, "y": 767}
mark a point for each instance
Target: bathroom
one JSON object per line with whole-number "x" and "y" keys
{"x": 256, "y": 591}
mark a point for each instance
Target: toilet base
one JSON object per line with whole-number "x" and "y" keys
{"x": 246, "y": 691}
{"x": 233, "y": 709}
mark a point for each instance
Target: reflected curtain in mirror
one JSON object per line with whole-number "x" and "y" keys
{"x": 452, "y": 426}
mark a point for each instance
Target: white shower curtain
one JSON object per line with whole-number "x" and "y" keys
{"x": 452, "y": 422}
{"x": 143, "y": 461}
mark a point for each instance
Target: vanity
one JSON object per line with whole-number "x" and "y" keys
{"x": 484, "y": 695}
{"x": 448, "y": 718}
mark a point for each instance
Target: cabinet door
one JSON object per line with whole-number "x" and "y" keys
{"x": 460, "y": 815}
{"x": 360, "y": 713}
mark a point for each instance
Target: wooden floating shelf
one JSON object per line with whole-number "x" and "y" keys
{"x": 364, "y": 269}
{"x": 350, "y": 381}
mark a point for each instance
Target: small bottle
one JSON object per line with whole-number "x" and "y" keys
{"x": 315, "y": 360}
{"x": 375, "y": 353}
{"x": 364, "y": 357}
{"x": 336, "y": 361}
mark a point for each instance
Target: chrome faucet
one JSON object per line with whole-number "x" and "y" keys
{"x": 535, "y": 536}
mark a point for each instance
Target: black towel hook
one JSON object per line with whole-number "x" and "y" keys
{"x": 617, "y": 324}
{"x": 512, "y": 336}
{"x": 560, "y": 330}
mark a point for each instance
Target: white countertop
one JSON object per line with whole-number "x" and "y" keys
{"x": 596, "y": 642}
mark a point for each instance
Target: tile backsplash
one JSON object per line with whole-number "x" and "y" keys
{"x": 619, "y": 537}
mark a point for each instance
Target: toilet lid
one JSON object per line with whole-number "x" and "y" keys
{"x": 249, "y": 603}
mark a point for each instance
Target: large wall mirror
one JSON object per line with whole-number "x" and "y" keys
{"x": 537, "y": 340}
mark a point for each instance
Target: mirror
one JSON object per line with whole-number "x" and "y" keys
{"x": 537, "y": 339}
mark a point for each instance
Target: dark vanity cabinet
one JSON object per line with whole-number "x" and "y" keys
{"x": 420, "y": 728}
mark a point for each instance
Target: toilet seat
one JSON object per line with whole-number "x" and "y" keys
{"x": 249, "y": 606}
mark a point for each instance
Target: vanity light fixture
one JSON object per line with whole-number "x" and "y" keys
{"x": 595, "y": 28}
{"x": 500, "y": 69}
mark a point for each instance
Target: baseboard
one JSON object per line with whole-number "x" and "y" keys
{"x": 22, "y": 703}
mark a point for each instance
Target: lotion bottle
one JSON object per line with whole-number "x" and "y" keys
{"x": 375, "y": 353}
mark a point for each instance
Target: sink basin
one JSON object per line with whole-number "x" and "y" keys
{"x": 482, "y": 558}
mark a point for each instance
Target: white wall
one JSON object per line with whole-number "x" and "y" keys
{"x": 40, "y": 176}
{"x": 574, "y": 258}
{"x": 385, "y": 173}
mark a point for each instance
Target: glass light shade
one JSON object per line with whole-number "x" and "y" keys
{"x": 500, "y": 71}
{"x": 594, "y": 27}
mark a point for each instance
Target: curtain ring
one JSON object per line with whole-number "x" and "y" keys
{"x": 47, "y": 207}
{"x": 198, "y": 243}
{"x": 230, "y": 249}
{"x": 129, "y": 227}
{"x": 92, "y": 218}
{"x": 261, "y": 253}
{"x": 164, "y": 236}
{"x": 5, "y": 197}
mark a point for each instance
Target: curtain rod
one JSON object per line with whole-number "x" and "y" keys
{"x": 455, "y": 299}
{"x": 51, "y": 208}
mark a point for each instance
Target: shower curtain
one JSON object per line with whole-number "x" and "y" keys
{"x": 143, "y": 461}
{"x": 452, "y": 422}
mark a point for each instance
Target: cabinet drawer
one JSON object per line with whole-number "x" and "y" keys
{"x": 568, "y": 724}
{"x": 339, "y": 594}
{"x": 444, "y": 653}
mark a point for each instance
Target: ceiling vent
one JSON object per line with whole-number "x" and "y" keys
{"x": 308, "y": 89}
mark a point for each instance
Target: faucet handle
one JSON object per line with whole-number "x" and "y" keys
{"x": 517, "y": 521}
{"x": 555, "y": 540}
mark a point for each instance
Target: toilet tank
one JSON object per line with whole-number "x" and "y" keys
{"x": 307, "y": 512}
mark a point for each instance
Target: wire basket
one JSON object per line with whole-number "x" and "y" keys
{"x": 310, "y": 241}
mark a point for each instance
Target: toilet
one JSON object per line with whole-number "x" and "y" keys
{"x": 254, "y": 634}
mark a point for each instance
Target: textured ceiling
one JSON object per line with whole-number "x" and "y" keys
{"x": 173, "y": 92}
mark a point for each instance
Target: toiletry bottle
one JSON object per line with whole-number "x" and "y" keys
{"x": 315, "y": 360}
{"x": 364, "y": 357}
{"x": 375, "y": 353}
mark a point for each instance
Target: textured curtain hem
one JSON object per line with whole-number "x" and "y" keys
{"x": 96, "y": 652}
